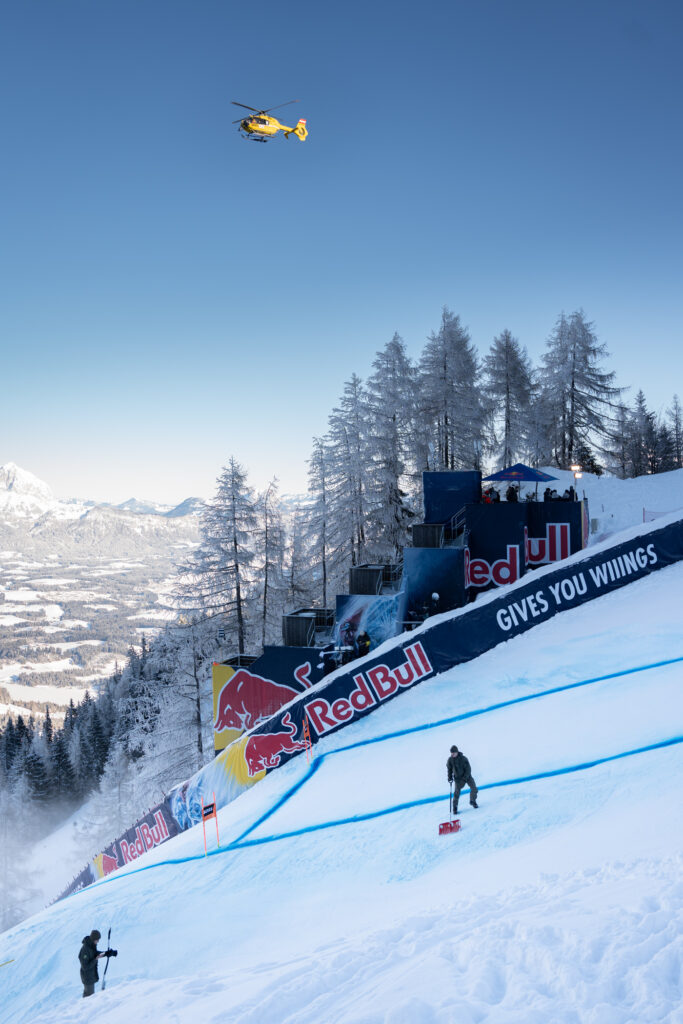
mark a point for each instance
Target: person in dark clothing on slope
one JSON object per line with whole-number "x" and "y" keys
{"x": 460, "y": 773}
{"x": 88, "y": 958}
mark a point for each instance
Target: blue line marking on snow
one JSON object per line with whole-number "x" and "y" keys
{"x": 313, "y": 768}
{"x": 503, "y": 704}
{"x": 446, "y": 721}
{"x": 242, "y": 844}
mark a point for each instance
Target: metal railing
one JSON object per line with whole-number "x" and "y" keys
{"x": 455, "y": 531}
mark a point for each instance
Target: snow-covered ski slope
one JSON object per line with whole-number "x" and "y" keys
{"x": 333, "y": 899}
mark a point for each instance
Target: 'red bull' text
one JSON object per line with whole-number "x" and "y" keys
{"x": 371, "y": 688}
{"x": 146, "y": 838}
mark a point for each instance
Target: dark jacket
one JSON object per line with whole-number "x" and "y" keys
{"x": 363, "y": 644}
{"x": 458, "y": 768}
{"x": 88, "y": 958}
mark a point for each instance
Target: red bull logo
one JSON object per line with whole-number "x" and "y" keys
{"x": 265, "y": 750}
{"x": 104, "y": 864}
{"x": 245, "y": 699}
{"x": 146, "y": 838}
{"x": 371, "y": 688}
{"x": 479, "y": 572}
{"x": 555, "y": 546}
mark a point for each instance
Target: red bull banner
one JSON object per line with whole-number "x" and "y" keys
{"x": 505, "y": 539}
{"x": 245, "y": 697}
{"x": 154, "y": 828}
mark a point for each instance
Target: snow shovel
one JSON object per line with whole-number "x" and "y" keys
{"x": 453, "y": 824}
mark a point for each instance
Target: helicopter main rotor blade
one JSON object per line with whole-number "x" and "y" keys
{"x": 236, "y": 104}
{"x": 278, "y": 106}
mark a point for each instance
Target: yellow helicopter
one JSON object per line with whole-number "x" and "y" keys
{"x": 260, "y": 127}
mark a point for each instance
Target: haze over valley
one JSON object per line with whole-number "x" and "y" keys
{"x": 79, "y": 584}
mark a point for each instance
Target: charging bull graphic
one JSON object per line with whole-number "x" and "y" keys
{"x": 104, "y": 864}
{"x": 264, "y": 750}
{"x": 246, "y": 699}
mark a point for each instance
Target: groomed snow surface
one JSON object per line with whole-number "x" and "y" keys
{"x": 558, "y": 902}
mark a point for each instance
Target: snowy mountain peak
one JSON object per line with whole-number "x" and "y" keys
{"x": 22, "y": 494}
{"x": 20, "y": 482}
{"x": 189, "y": 507}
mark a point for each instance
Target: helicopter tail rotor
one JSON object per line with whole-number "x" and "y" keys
{"x": 300, "y": 130}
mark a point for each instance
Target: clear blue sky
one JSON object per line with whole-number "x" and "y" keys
{"x": 171, "y": 294}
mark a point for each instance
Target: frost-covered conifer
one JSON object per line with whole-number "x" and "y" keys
{"x": 270, "y": 588}
{"x": 318, "y": 514}
{"x": 299, "y": 574}
{"x": 639, "y": 427}
{"x": 675, "y": 420}
{"x": 451, "y": 411}
{"x": 581, "y": 394}
{"x": 390, "y": 426}
{"x": 508, "y": 387}
{"x": 347, "y": 480}
{"x": 63, "y": 776}
{"x": 218, "y": 580}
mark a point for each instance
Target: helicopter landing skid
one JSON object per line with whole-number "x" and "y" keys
{"x": 252, "y": 138}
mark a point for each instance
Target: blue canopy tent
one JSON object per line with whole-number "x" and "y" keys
{"x": 519, "y": 473}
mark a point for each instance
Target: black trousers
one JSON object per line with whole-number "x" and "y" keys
{"x": 469, "y": 781}
{"x": 88, "y": 986}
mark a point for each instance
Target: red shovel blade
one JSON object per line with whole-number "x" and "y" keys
{"x": 449, "y": 826}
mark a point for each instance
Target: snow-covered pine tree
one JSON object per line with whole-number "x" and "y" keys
{"x": 675, "y": 420}
{"x": 539, "y": 426}
{"x": 318, "y": 514}
{"x": 299, "y": 577}
{"x": 508, "y": 388}
{"x": 390, "y": 424}
{"x": 649, "y": 443}
{"x": 63, "y": 776}
{"x": 347, "y": 481}
{"x": 218, "y": 579}
{"x": 451, "y": 411}
{"x": 582, "y": 394}
{"x": 270, "y": 588}
{"x": 638, "y": 429}
{"x": 177, "y": 677}
{"x": 36, "y": 772}
{"x": 78, "y": 756}
{"x": 618, "y": 451}
{"x": 660, "y": 447}
{"x": 48, "y": 729}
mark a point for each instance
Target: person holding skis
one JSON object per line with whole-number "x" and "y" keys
{"x": 460, "y": 774}
{"x": 88, "y": 957}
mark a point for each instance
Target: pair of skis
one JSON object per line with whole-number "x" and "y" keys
{"x": 106, "y": 966}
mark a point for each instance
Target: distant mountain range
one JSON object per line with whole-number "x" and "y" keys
{"x": 32, "y": 518}
{"x": 23, "y": 494}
